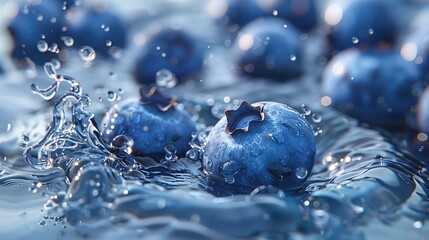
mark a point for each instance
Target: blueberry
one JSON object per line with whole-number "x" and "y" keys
{"x": 153, "y": 124}
{"x": 265, "y": 143}
{"x": 360, "y": 23}
{"x": 269, "y": 47}
{"x": 36, "y": 31}
{"x": 301, "y": 13}
{"x": 98, "y": 28}
{"x": 376, "y": 86}
{"x": 171, "y": 49}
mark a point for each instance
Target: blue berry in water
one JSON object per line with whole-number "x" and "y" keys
{"x": 98, "y": 28}
{"x": 36, "y": 32}
{"x": 152, "y": 123}
{"x": 375, "y": 86}
{"x": 360, "y": 23}
{"x": 171, "y": 49}
{"x": 270, "y": 48}
{"x": 301, "y": 13}
{"x": 265, "y": 143}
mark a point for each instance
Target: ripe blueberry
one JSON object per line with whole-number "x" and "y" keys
{"x": 269, "y": 47}
{"x": 152, "y": 123}
{"x": 171, "y": 49}
{"x": 375, "y": 86}
{"x": 265, "y": 143}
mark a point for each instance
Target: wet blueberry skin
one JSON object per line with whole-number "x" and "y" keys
{"x": 273, "y": 151}
{"x": 184, "y": 55}
{"x": 150, "y": 128}
{"x": 375, "y": 86}
{"x": 301, "y": 13}
{"x": 27, "y": 30}
{"x": 266, "y": 48}
{"x": 360, "y": 23}
{"x": 95, "y": 28}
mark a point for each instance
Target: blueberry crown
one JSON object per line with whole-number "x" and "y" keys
{"x": 241, "y": 118}
{"x": 163, "y": 103}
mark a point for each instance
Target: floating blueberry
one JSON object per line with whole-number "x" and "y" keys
{"x": 265, "y": 143}
{"x": 97, "y": 28}
{"x": 269, "y": 47}
{"x": 36, "y": 32}
{"x": 375, "y": 86}
{"x": 171, "y": 49}
{"x": 301, "y": 13}
{"x": 153, "y": 124}
{"x": 360, "y": 23}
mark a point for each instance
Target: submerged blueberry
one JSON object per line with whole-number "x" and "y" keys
{"x": 378, "y": 87}
{"x": 265, "y": 143}
{"x": 98, "y": 28}
{"x": 269, "y": 47}
{"x": 360, "y": 23}
{"x": 152, "y": 123}
{"x": 301, "y": 13}
{"x": 171, "y": 49}
{"x": 36, "y": 32}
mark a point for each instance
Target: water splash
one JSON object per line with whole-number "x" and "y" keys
{"x": 72, "y": 128}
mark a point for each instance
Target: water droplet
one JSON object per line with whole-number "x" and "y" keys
{"x": 371, "y": 31}
{"x": 355, "y": 40}
{"x": 111, "y": 96}
{"x": 68, "y": 41}
{"x": 50, "y": 70}
{"x": 25, "y": 138}
{"x": 255, "y": 150}
{"x": 418, "y": 224}
{"x": 316, "y": 118}
{"x": 170, "y": 153}
{"x": 306, "y": 110}
{"x": 56, "y": 63}
{"x": 165, "y": 78}
{"x": 301, "y": 173}
{"x": 292, "y": 57}
{"x": 122, "y": 141}
{"x": 42, "y": 46}
{"x": 229, "y": 170}
{"x": 105, "y": 27}
{"x": 53, "y": 48}
{"x": 108, "y": 43}
{"x": 87, "y": 53}
{"x": 39, "y": 18}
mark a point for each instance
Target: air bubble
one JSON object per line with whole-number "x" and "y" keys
{"x": 355, "y": 40}
{"x": 105, "y": 27}
{"x": 316, "y": 118}
{"x": 301, "y": 173}
{"x": 87, "y": 53}
{"x": 306, "y": 110}
{"x": 42, "y": 46}
{"x": 292, "y": 57}
{"x": 53, "y": 48}
{"x": 68, "y": 41}
{"x": 111, "y": 96}
{"x": 165, "y": 78}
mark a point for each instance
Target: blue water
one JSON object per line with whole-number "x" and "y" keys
{"x": 366, "y": 183}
